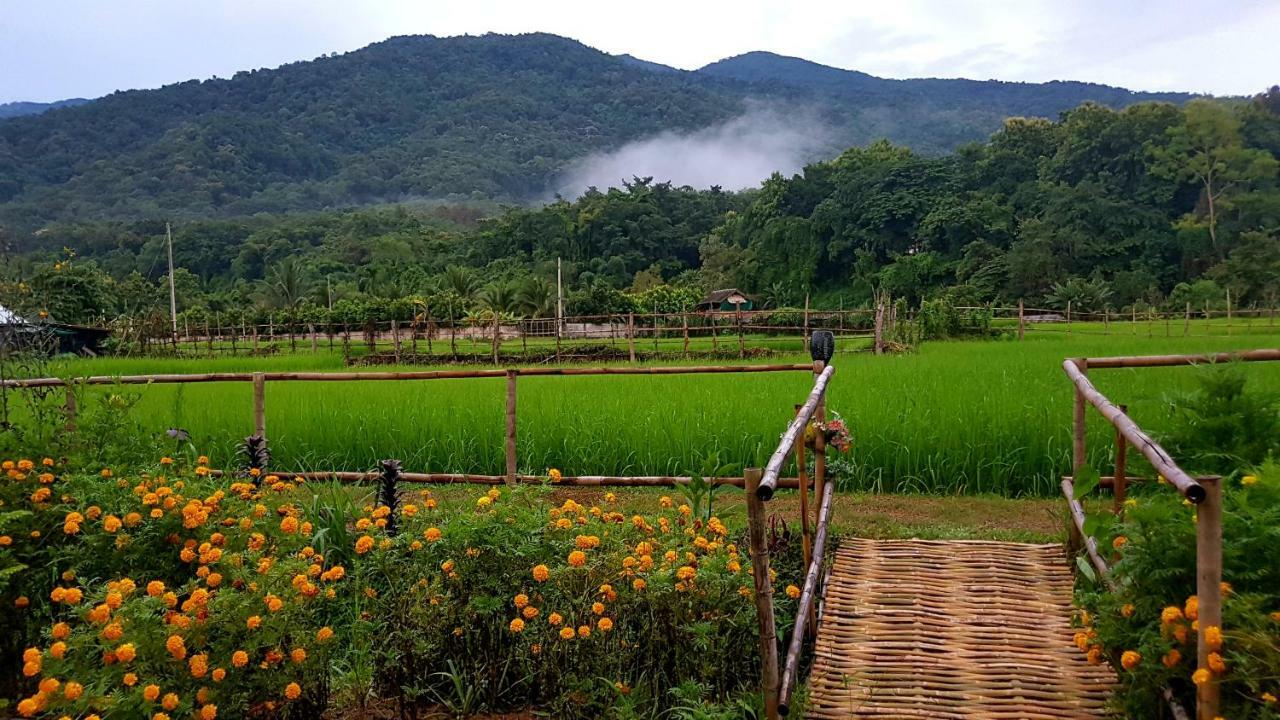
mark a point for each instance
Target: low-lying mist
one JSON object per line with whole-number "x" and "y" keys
{"x": 735, "y": 154}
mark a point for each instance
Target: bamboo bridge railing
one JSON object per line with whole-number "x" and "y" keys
{"x": 1205, "y": 492}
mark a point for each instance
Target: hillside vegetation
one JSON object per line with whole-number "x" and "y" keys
{"x": 495, "y": 116}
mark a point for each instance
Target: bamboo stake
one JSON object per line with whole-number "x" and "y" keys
{"x": 763, "y": 594}
{"x": 1068, "y": 317}
{"x": 566, "y": 481}
{"x": 511, "y": 427}
{"x": 1186, "y": 322}
{"x": 260, "y": 405}
{"x": 1228, "y": 311}
{"x": 802, "y": 471}
{"x": 806, "y": 322}
{"x": 794, "y": 432}
{"x": 742, "y": 350}
{"x": 1077, "y": 533}
{"x": 684, "y": 321}
{"x": 806, "y": 606}
{"x": 1022, "y": 322}
{"x": 1208, "y": 591}
{"x": 631, "y": 336}
{"x": 1120, "y": 484}
{"x": 819, "y": 439}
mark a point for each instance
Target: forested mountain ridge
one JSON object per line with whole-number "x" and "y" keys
{"x": 493, "y": 116}
{"x": 21, "y": 108}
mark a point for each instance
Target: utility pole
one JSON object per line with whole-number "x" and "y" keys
{"x": 173, "y": 293}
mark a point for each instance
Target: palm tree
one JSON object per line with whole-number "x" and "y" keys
{"x": 286, "y": 286}
{"x": 461, "y": 281}
{"x": 536, "y": 297}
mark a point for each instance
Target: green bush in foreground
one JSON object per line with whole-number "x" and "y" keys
{"x": 173, "y": 594}
{"x": 1147, "y": 629}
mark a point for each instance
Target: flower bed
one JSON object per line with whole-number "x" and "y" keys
{"x": 172, "y": 594}
{"x": 1147, "y": 629}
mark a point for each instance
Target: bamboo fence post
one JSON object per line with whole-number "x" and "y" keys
{"x": 69, "y": 409}
{"x": 802, "y": 472}
{"x": 1134, "y": 320}
{"x": 655, "y": 326}
{"x": 1186, "y": 321}
{"x": 763, "y": 595}
{"x": 1120, "y": 483}
{"x": 315, "y": 347}
{"x": 1208, "y": 590}
{"x": 684, "y": 321}
{"x": 742, "y": 349}
{"x": 1106, "y": 322}
{"x": 819, "y": 443}
{"x": 260, "y": 405}
{"x": 1068, "y": 317}
{"x": 395, "y": 340}
{"x": 497, "y": 337}
{"x": 1078, "y": 447}
{"x": 806, "y": 322}
{"x": 715, "y": 339}
{"x": 879, "y": 329}
{"x": 208, "y": 337}
{"x": 511, "y": 427}
{"x": 1022, "y": 321}
{"x": 1228, "y": 311}
{"x": 631, "y": 336}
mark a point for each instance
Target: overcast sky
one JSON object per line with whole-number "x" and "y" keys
{"x": 52, "y": 49}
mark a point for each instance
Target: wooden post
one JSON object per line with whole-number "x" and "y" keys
{"x": 497, "y": 337}
{"x": 631, "y": 336}
{"x": 1134, "y": 321}
{"x": 684, "y": 321}
{"x": 802, "y": 473}
{"x": 1120, "y": 482}
{"x": 1068, "y": 317}
{"x": 1208, "y": 589}
{"x": 1228, "y": 311}
{"x": 1022, "y": 321}
{"x": 806, "y": 322}
{"x": 260, "y": 404}
{"x": 1106, "y": 322}
{"x": 255, "y": 339}
{"x": 315, "y": 347}
{"x": 763, "y": 594}
{"x": 1186, "y": 322}
{"x": 69, "y": 409}
{"x": 742, "y": 349}
{"x": 1078, "y": 448}
{"x": 511, "y": 427}
{"x": 395, "y": 340}
{"x": 879, "y": 330}
{"x": 819, "y": 444}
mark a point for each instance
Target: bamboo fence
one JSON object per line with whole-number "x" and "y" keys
{"x": 1205, "y": 491}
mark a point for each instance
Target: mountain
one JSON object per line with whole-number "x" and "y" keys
{"x": 493, "y": 116}
{"x": 19, "y": 109}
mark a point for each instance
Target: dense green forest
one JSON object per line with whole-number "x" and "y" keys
{"x": 494, "y": 117}
{"x": 1153, "y": 205}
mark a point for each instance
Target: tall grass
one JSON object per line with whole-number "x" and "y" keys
{"x": 953, "y": 417}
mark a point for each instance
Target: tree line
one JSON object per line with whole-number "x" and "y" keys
{"x": 1155, "y": 205}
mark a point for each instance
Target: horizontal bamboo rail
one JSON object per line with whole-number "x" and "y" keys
{"x": 1142, "y": 361}
{"x": 791, "y": 667}
{"x": 408, "y": 375}
{"x": 794, "y": 432}
{"x": 475, "y": 479}
{"x": 1150, "y": 449}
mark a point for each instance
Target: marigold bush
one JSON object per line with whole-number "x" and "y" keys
{"x": 1148, "y": 628}
{"x": 178, "y": 594}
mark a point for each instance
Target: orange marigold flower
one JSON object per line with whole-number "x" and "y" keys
{"x": 126, "y": 653}
{"x": 61, "y": 631}
{"x": 1130, "y": 659}
{"x": 541, "y": 573}
{"x": 176, "y": 647}
{"x": 239, "y": 658}
{"x": 530, "y": 612}
{"x": 1171, "y": 614}
{"x": 298, "y": 655}
{"x": 218, "y": 674}
{"x": 1213, "y": 637}
{"x": 1216, "y": 663}
{"x": 324, "y": 634}
{"x": 793, "y": 592}
{"x": 605, "y": 624}
{"x": 73, "y": 690}
{"x": 517, "y": 625}
{"x": 555, "y": 619}
{"x": 1171, "y": 658}
{"x": 208, "y": 712}
{"x": 577, "y": 558}
{"x": 1119, "y": 542}
{"x": 364, "y": 544}
{"x": 169, "y": 701}
{"x": 521, "y": 600}
{"x": 566, "y": 633}
{"x": 583, "y": 631}
{"x": 638, "y": 584}
{"x": 1201, "y": 676}
{"x": 151, "y": 693}
{"x": 292, "y": 691}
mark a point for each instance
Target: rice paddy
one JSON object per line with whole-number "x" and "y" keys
{"x": 957, "y": 417}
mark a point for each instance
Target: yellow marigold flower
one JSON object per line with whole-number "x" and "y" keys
{"x": 432, "y": 534}
{"x": 253, "y": 622}
{"x": 1192, "y": 608}
{"x": 364, "y": 544}
{"x": 517, "y": 625}
{"x": 239, "y": 658}
{"x": 686, "y": 573}
{"x": 1249, "y": 480}
{"x": 130, "y": 679}
{"x": 1171, "y": 614}
{"x": 126, "y": 653}
{"x": 447, "y": 566}
{"x": 638, "y": 584}
{"x": 577, "y": 558}
{"x": 597, "y": 608}
{"x": 1268, "y": 698}
{"x": 566, "y": 633}
{"x": 1201, "y": 676}
{"x": 72, "y": 690}
{"x": 605, "y": 624}
{"x": 483, "y": 502}
{"x": 555, "y": 619}
{"x": 298, "y": 655}
{"x": 151, "y": 693}
{"x": 324, "y": 634}
{"x": 1171, "y": 658}
{"x": 292, "y": 691}
{"x": 793, "y": 592}
{"x": 554, "y": 475}
{"x": 169, "y": 701}
{"x": 1213, "y": 637}
{"x": 1094, "y": 656}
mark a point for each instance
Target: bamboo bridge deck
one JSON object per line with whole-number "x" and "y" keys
{"x": 951, "y": 630}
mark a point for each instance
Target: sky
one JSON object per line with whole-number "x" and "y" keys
{"x": 54, "y": 49}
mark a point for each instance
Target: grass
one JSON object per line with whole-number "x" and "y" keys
{"x": 959, "y": 417}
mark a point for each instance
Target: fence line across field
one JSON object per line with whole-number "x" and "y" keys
{"x": 1204, "y": 492}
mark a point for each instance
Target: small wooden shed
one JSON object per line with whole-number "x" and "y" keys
{"x": 727, "y": 300}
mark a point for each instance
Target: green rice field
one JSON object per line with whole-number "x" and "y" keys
{"x": 958, "y": 417}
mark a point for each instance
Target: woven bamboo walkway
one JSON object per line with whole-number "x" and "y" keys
{"x": 951, "y": 629}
